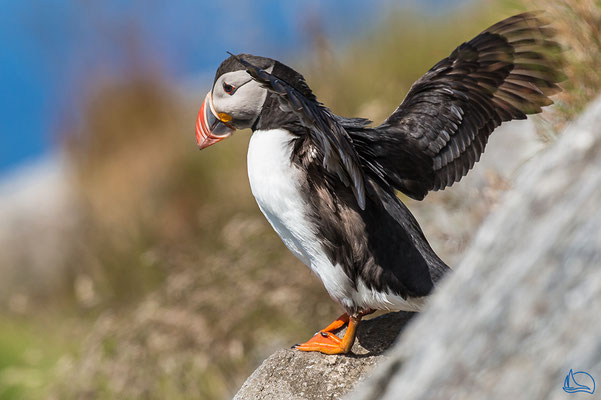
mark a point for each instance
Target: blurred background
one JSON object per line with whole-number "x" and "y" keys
{"x": 133, "y": 266}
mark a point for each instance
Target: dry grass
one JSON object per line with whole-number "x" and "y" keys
{"x": 211, "y": 321}
{"x": 191, "y": 285}
{"x": 578, "y": 26}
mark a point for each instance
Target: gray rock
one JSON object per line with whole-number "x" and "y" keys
{"x": 292, "y": 374}
{"x": 524, "y": 306}
{"x": 520, "y": 311}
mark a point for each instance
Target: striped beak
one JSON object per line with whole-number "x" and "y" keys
{"x": 211, "y": 127}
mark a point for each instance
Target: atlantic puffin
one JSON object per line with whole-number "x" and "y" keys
{"x": 327, "y": 184}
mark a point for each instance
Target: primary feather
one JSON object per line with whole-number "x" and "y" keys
{"x": 441, "y": 128}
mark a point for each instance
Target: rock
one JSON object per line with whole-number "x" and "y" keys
{"x": 292, "y": 374}
{"x": 523, "y": 308}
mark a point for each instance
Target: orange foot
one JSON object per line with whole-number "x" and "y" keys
{"x": 326, "y": 342}
{"x": 339, "y": 323}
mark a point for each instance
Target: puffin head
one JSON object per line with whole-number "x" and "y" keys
{"x": 234, "y": 102}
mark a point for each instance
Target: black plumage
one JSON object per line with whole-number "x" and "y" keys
{"x": 351, "y": 170}
{"x": 428, "y": 143}
{"x": 325, "y": 130}
{"x": 441, "y": 128}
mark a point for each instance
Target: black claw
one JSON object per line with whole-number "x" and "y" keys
{"x": 295, "y": 346}
{"x": 324, "y": 334}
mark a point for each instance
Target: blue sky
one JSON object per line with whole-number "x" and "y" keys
{"x": 50, "y": 50}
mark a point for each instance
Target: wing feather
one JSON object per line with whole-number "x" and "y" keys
{"x": 506, "y": 72}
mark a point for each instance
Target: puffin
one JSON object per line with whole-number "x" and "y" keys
{"x": 328, "y": 184}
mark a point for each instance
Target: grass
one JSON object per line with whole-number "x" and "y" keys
{"x": 30, "y": 352}
{"x": 177, "y": 286}
{"x": 578, "y": 27}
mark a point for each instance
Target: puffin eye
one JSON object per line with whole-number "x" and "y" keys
{"x": 229, "y": 89}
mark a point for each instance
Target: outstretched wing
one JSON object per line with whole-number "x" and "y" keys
{"x": 440, "y": 130}
{"x": 327, "y": 133}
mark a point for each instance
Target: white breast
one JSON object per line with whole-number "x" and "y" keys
{"x": 276, "y": 184}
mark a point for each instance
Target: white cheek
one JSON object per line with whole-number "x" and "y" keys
{"x": 220, "y": 102}
{"x": 244, "y": 105}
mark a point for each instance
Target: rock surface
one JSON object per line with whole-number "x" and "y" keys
{"x": 524, "y": 306}
{"x": 520, "y": 311}
{"x": 292, "y": 374}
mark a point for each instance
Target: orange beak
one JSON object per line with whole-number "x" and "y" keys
{"x": 210, "y": 127}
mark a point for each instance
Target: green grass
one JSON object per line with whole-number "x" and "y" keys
{"x": 29, "y": 351}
